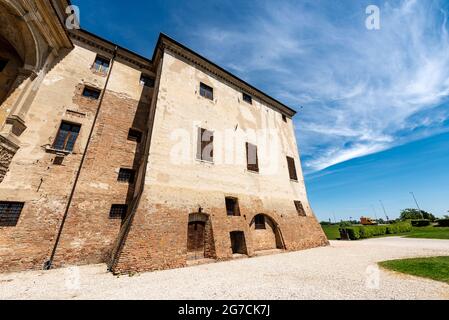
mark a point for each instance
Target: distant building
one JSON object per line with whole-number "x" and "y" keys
{"x": 143, "y": 164}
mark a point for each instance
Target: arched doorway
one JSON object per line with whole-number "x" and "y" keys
{"x": 200, "y": 238}
{"x": 265, "y": 233}
{"x": 10, "y": 64}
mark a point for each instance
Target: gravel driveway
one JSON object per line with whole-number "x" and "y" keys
{"x": 344, "y": 270}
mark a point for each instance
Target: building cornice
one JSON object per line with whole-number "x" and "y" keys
{"x": 166, "y": 43}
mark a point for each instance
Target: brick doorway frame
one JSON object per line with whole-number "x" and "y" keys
{"x": 200, "y": 223}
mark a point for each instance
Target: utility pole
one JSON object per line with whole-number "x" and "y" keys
{"x": 417, "y": 205}
{"x": 385, "y": 211}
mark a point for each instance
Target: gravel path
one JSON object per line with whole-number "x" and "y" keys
{"x": 344, "y": 270}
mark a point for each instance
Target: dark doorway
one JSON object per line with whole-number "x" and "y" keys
{"x": 195, "y": 240}
{"x": 238, "y": 242}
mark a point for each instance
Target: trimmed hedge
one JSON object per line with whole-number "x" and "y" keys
{"x": 365, "y": 232}
{"x": 421, "y": 223}
{"x": 443, "y": 223}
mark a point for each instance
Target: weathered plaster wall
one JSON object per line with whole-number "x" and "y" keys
{"x": 174, "y": 189}
{"x": 45, "y": 187}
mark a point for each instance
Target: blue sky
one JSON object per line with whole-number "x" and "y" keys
{"x": 373, "y": 106}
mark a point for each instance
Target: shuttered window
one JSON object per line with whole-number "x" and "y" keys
{"x": 206, "y": 91}
{"x": 67, "y": 135}
{"x": 205, "y": 149}
{"x": 232, "y": 206}
{"x": 101, "y": 65}
{"x": 292, "y": 169}
{"x": 252, "y": 158}
{"x": 300, "y": 208}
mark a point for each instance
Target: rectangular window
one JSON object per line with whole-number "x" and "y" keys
{"x": 146, "y": 81}
{"x": 232, "y": 206}
{"x": 252, "y": 158}
{"x": 118, "y": 211}
{"x": 300, "y": 208}
{"x": 10, "y": 213}
{"x": 91, "y": 93}
{"x": 259, "y": 222}
{"x": 135, "y": 135}
{"x": 205, "y": 149}
{"x": 3, "y": 64}
{"x": 284, "y": 118}
{"x": 247, "y": 98}
{"x": 67, "y": 135}
{"x": 292, "y": 169}
{"x": 126, "y": 175}
{"x": 101, "y": 64}
{"x": 206, "y": 91}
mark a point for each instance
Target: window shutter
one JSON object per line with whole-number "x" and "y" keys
{"x": 292, "y": 169}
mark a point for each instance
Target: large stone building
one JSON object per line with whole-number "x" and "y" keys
{"x": 144, "y": 164}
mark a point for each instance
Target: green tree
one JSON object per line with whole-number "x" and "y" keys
{"x": 415, "y": 214}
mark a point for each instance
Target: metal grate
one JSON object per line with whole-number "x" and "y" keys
{"x": 10, "y": 213}
{"x": 118, "y": 211}
{"x": 126, "y": 175}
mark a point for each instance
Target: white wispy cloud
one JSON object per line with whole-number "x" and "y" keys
{"x": 361, "y": 90}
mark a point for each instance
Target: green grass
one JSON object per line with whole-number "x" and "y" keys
{"x": 428, "y": 233}
{"x": 436, "y": 268}
{"x": 333, "y": 233}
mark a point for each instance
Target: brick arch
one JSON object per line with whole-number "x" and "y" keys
{"x": 21, "y": 33}
{"x": 268, "y": 238}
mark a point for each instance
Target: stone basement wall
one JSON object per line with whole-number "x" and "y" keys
{"x": 158, "y": 236}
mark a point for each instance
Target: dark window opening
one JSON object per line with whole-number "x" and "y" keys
{"x": 206, "y": 91}
{"x": 126, "y": 175}
{"x": 292, "y": 169}
{"x": 259, "y": 222}
{"x": 10, "y": 213}
{"x": 101, "y": 64}
{"x": 284, "y": 118}
{"x": 252, "y": 158}
{"x": 91, "y": 93}
{"x": 247, "y": 98}
{"x": 135, "y": 135}
{"x": 67, "y": 135}
{"x": 147, "y": 81}
{"x": 300, "y": 208}
{"x": 3, "y": 64}
{"x": 232, "y": 206}
{"x": 205, "y": 150}
{"x": 238, "y": 243}
{"x": 118, "y": 211}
